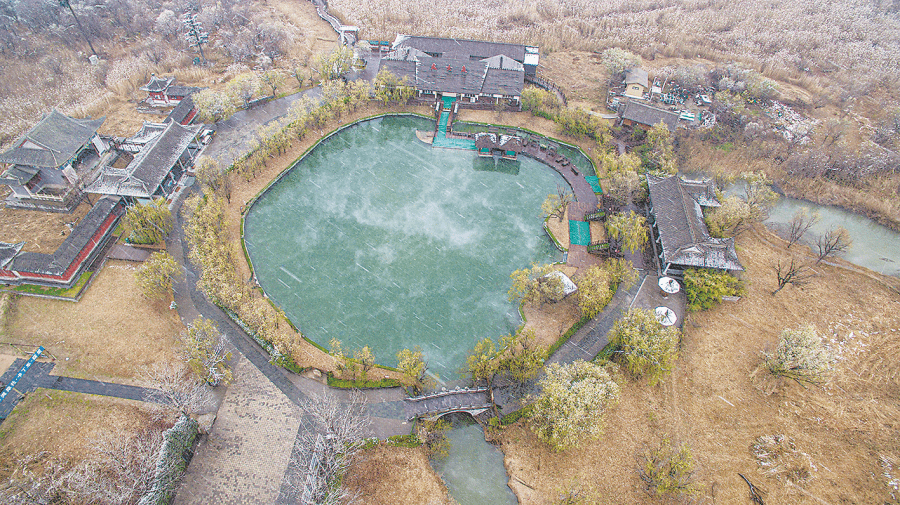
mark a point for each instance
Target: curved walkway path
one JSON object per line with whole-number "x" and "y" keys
{"x": 248, "y": 450}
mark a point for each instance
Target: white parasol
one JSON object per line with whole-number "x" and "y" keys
{"x": 669, "y": 285}
{"x": 666, "y": 316}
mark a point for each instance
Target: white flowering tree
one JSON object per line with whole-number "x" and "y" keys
{"x": 800, "y": 355}
{"x": 206, "y": 353}
{"x": 573, "y": 400}
{"x": 617, "y": 61}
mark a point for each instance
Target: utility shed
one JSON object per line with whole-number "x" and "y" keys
{"x": 676, "y": 208}
{"x": 637, "y": 82}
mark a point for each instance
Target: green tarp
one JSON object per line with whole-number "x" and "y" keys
{"x": 579, "y": 232}
{"x": 594, "y": 181}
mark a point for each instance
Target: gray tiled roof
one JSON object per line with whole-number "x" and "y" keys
{"x": 148, "y": 132}
{"x": 59, "y": 137}
{"x": 58, "y": 262}
{"x": 485, "y": 140}
{"x": 142, "y": 177}
{"x": 461, "y": 48}
{"x": 503, "y": 82}
{"x": 400, "y": 69}
{"x": 157, "y": 84}
{"x": 649, "y": 116}
{"x": 447, "y": 75}
{"x": 180, "y": 90}
{"x": 683, "y": 234}
{"x": 19, "y": 175}
{"x": 8, "y": 252}
{"x": 498, "y": 74}
{"x": 181, "y": 111}
{"x": 637, "y": 76}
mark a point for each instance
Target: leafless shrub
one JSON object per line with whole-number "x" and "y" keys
{"x": 123, "y": 470}
{"x": 329, "y": 437}
{"x": 835, "y": 240}
{"x": 36, "y": 480}
{"x": 794, "y": 273}
{"x": 177, "y": 387}
{"x": 778, "y": 456}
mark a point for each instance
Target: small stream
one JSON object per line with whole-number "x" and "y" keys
{"x": 875, "y": 247}
{"x": 473, "y": 469}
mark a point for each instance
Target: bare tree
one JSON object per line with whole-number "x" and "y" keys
{"x": 324, "y": 448}
{"x": 802, "y": 221}
{"x": 122, "y": 472}
{"x": 28, "y": 487}
{"x": 178, "y": 387}
{"x": 794, "y": 273}
{"x": 834, "y": 240}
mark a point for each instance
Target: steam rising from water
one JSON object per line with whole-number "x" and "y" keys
{"x": 377, "y": 239}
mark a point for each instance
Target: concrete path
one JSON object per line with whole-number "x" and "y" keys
{"x": 588, "y": 341}
{"x": 234, "y": 134}
{"x": 244, "y": 457}
{"x": 38, "y": 376}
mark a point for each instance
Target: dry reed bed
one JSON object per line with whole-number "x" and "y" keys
{"x": 718, "y": 401}
{"x": 850, "y": 37}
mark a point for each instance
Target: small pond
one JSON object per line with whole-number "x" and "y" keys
{"x": 375, "y": 238}
{"x": 473, "y": 469}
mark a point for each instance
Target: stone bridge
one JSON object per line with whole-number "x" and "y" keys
{"x": 473, "y": 401}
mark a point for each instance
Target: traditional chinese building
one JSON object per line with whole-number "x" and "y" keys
{"x": 65, "y": 266}
{"x": 676, "y": 206}
{"x": 159, "y": 163}
{"x": 44, "y": 168}
{"x": 647, "y": 116}
{"x": 163, "y": 91}
{"x": 474, "y": 71}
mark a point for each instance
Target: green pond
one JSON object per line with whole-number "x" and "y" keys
{"x": 375, "y": 238}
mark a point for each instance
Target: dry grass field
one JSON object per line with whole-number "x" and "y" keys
{"x": 42, "y": 232}
{"x": 386, "y": 475}
{"x": 112, "y": 333}
{"x": 64, "y": 425}
{"x": 718, "y": 401}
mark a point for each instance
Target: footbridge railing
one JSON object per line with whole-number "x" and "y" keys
{"x": 471, "y": 400}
